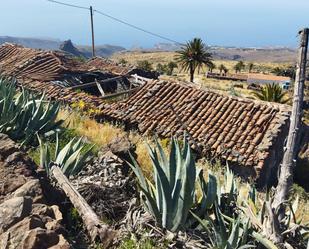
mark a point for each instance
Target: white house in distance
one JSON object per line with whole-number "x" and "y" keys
{"x": 257, "y": 78}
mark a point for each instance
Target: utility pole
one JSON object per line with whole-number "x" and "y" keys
{"x": 285, "y": 180}
{"x": 92, "y": 31}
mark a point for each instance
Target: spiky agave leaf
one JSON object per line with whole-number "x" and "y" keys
{"x": 70, "y": 158}
{"x": 172, "y": 195}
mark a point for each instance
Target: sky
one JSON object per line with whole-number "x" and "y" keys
{"x": 246, "y": 23}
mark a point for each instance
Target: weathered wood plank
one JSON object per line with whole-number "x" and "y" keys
{"x": 95, "y": 227}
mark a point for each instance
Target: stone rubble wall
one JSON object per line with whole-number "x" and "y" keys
{"x": 26, "y": 220}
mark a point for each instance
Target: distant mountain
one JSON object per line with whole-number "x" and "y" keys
{"x": 101, "y": 50}
{"x": 38, "y": 43}
{"x": 275, "y": 54}
{"x": 67, "y": 46}
{"x": 51, "y": 44}
{"x": 258, "y": 54}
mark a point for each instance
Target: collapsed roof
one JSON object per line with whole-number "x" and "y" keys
{"x": 246, "y": 133}
{"x": 63, "y": 70}
{"x": 243, "y": 132}
{"x": 119, "y": 69}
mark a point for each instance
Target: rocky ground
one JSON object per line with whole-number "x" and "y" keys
{"x": 26, "y": 219}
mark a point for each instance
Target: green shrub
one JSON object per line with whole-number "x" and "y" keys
{"x": 145, "y": 65}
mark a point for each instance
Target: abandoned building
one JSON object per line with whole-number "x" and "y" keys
{"x": 247, "y": 134}
{"x": 54, "y": 68}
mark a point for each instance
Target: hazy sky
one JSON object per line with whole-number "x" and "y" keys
{"x": 221, "y": 22}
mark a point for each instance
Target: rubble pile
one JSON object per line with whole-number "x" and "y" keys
{"x": 105, "y": 185}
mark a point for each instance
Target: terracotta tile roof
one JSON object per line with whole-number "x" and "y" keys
{"x": 62, "y": 94}
{"x": 36, "y": 64}
{"x": 36, "y": 69}
{"x": 241, "y": 131}
{"x": 104, "y": 64}
{"x": 45, "y": 66}
{"x": 99, "y": 63}
{"x": 238, "y": 130}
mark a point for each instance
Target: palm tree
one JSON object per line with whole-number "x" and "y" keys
{"x": 170, "y": 67}
{"x": 239, "y": 66}
{"x": 271, "y": 93}
{"x": 211, "y": 66}
{"x": 193, "y": 56}
{"x": 222, "y": 68}
{"x": 250, "y": 67}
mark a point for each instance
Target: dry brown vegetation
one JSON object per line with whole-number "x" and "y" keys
{"x": 221, "y": 86}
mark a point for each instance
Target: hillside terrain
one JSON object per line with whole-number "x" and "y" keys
{"x": 53, "y": 44}
{"x": 32, "y": 42}
{"x": 100, "y": 159}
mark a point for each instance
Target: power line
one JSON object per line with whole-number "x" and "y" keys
{"x": 136, "y": 27}
{"x": 120, "y": 21}
{"x": 67, "y": 4}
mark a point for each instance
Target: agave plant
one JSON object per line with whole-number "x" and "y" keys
{"x": 171, "y": 196}
{"x": 223, "y": 236}
{"x": 22, "y": 116}
{"x": 294, "y": 232}
{"x": 71, "y": 158}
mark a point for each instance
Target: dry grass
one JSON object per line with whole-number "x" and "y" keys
{"x": 105, "y": 133}
{"x": 100, "y": 134}
{"x": 153, "y": 57}
{"x": 141, "y": 151}
{"x": 165, "y": 57}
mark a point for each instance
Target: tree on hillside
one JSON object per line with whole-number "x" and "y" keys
{"x": 193, "y": 56}
{"x": 271, "y": 93}
{"x": 166, "y": 68}
{"x": 250, "y": 67}
{"x": 222, "y": 68}
{"x": 160, "y": 68}
{"x": 170, "y": 67}
{"x": 145, "y": 65}
{"x": 239, "y": 66}
{"x": 289, "y": 71}
{"x": 211, "y": 66}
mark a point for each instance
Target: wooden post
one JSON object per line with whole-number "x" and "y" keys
{"x": 285, "y": 180}
{"x": 92, "y": 31}
{"x": 95, "y": 227}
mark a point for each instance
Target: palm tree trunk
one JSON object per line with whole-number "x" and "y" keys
{"x": 191, "y": 72}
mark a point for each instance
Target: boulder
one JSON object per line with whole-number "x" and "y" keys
{"x": 14, "y": 236}
{"x": 51, "y": 211}
{"x": 13, "y": 211}
{"x": 32, "y": 189}
{"x": 120, "y": 146}
{"x": 39, "y": 238}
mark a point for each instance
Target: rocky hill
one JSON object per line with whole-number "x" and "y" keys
{"x": 52, "y": 44}
{"x": 101, "y": 50}
{"x": 67, "y": 46}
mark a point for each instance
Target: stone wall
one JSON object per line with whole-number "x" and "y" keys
{"x": 26, "y": 220}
